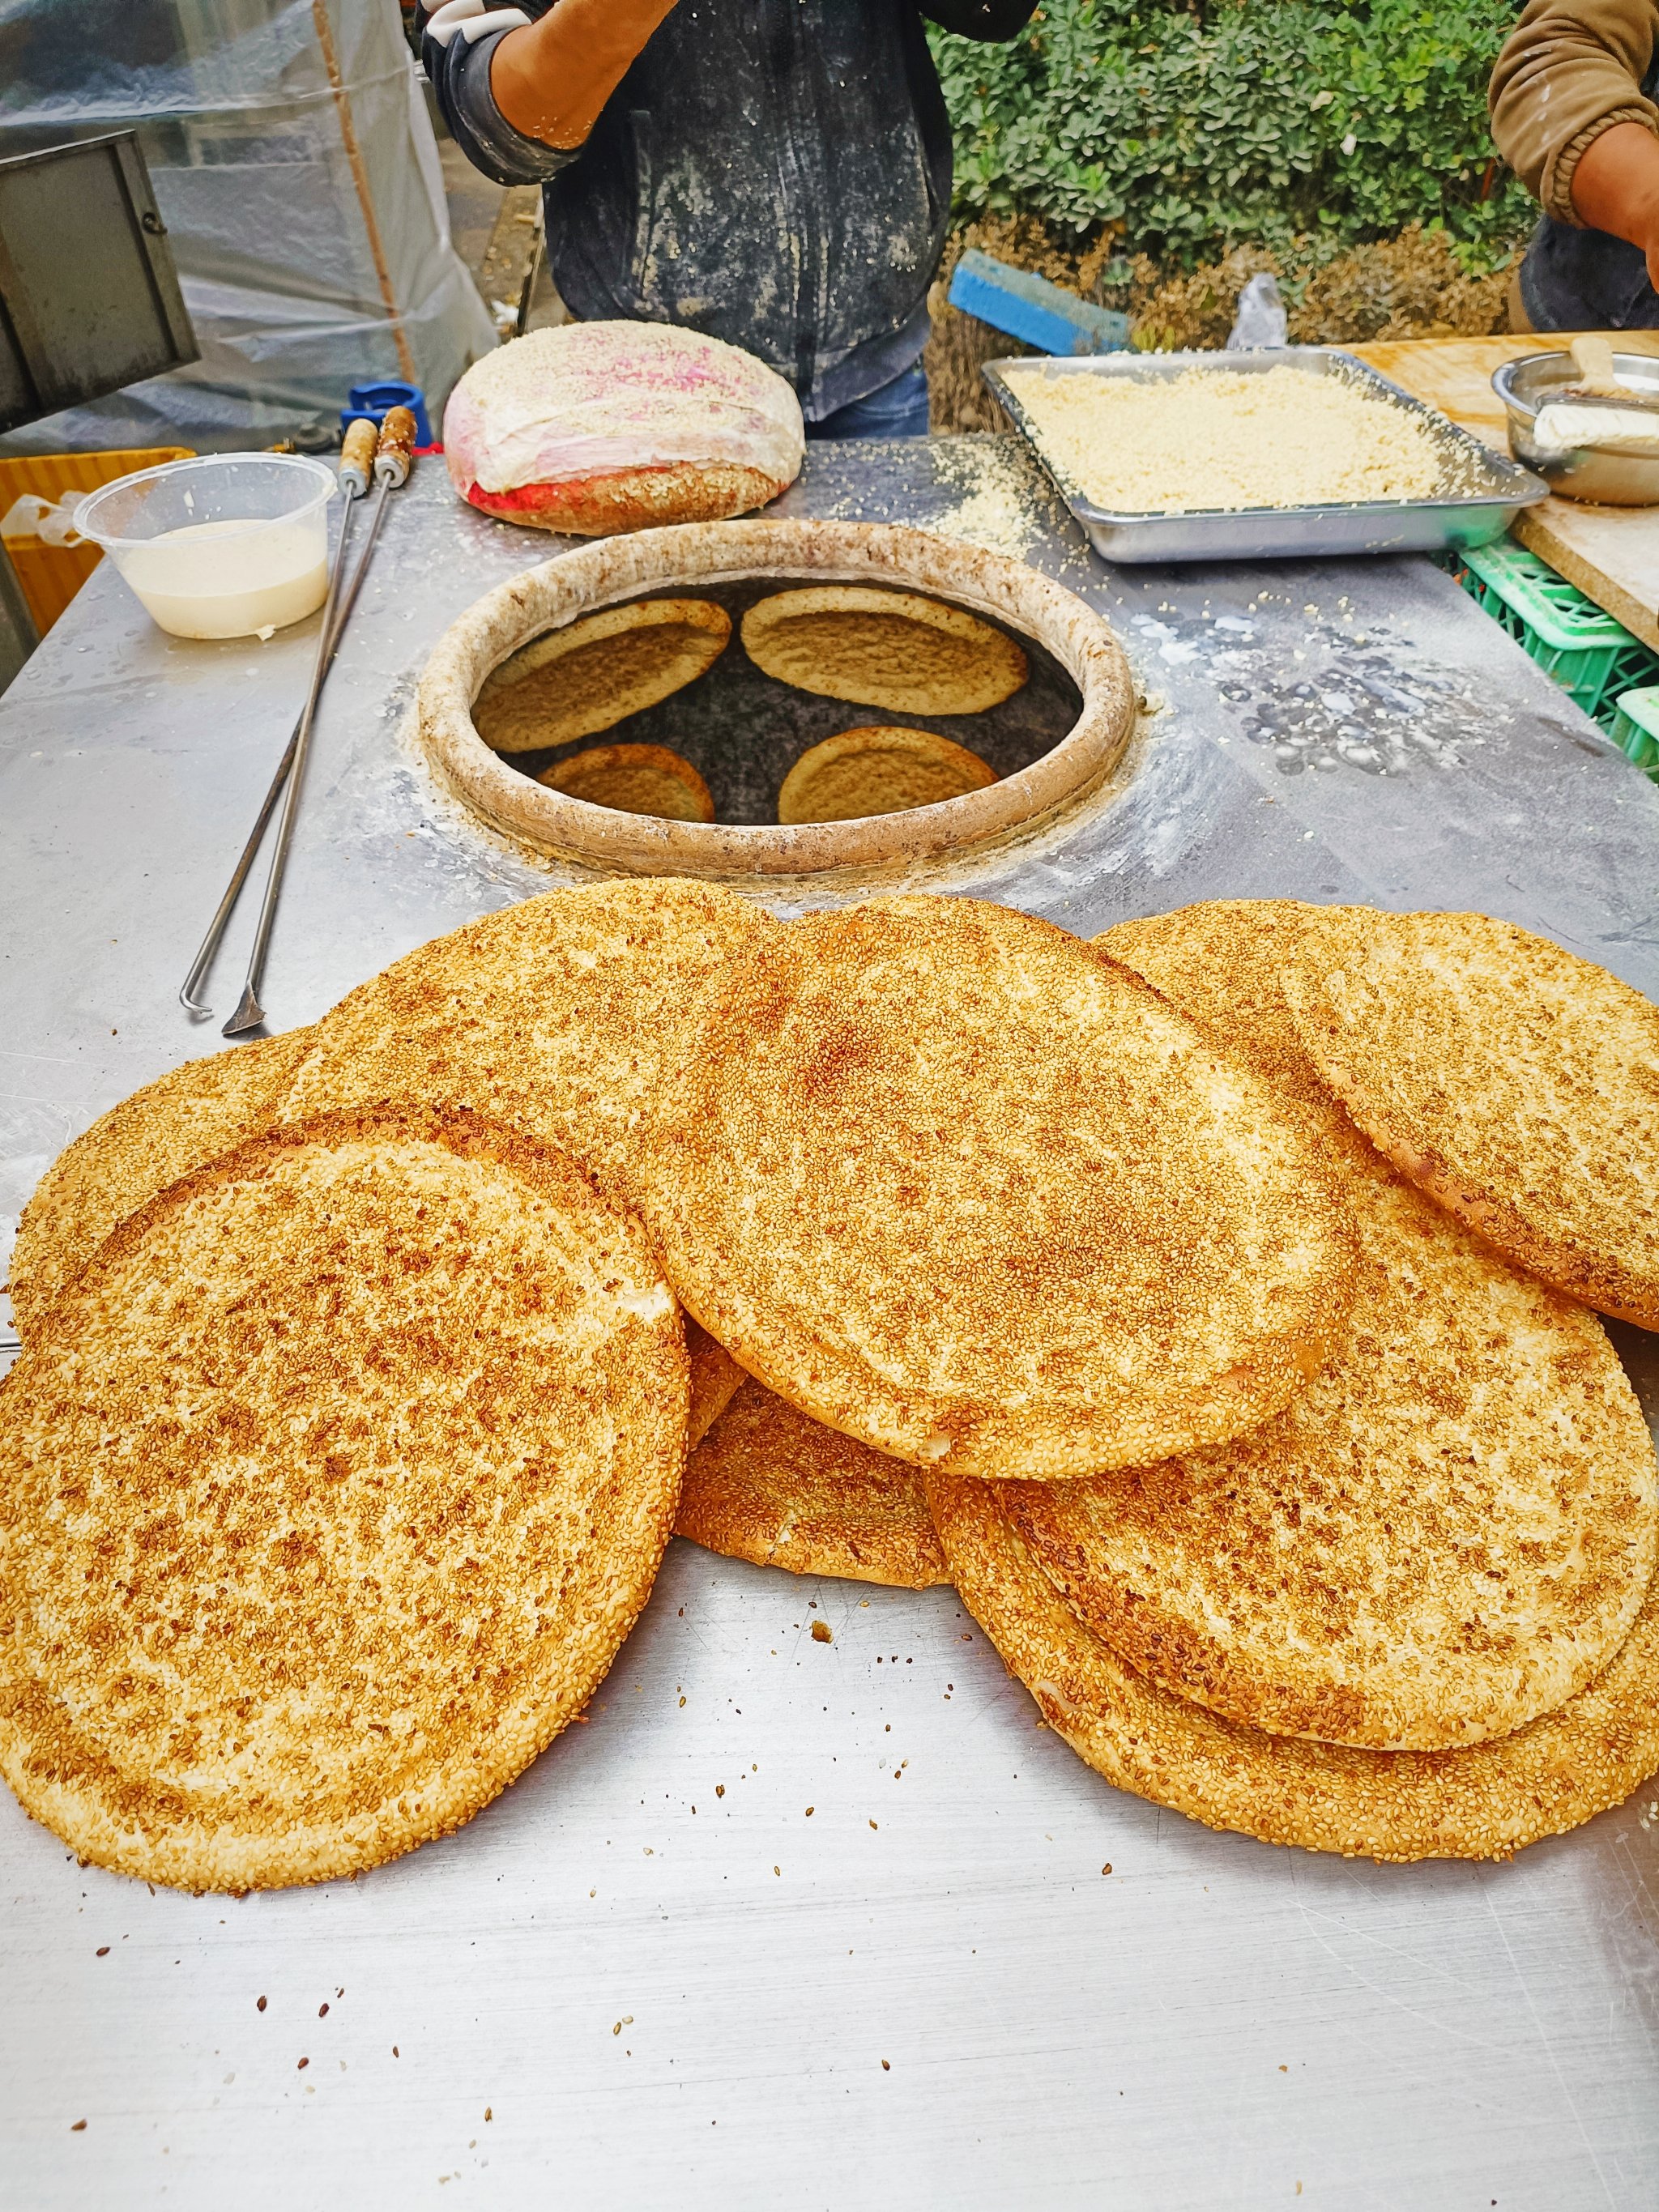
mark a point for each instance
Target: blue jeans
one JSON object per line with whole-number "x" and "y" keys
{"x": 898, "y": 409}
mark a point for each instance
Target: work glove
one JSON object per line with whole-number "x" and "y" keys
{"x": 473, "y": 19}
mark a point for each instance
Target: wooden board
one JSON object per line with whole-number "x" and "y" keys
{"x": 1612, "y": 553}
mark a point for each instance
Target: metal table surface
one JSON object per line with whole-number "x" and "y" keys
{"x": 616, "y": 1986}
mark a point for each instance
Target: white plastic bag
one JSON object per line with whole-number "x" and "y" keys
{"x": 1260, "y": 320}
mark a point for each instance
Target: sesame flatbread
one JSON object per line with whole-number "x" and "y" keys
{"x": 1517, "y": 1083}
{"x": 1484, "y": 1800}
{"x": 591, "y": 675}
{"x": 715, "y": 1380}
{"x": 566, "y": 1016}
{"x": 1222, "y": 962}
{"x": 350, "y": 1471}
{"x": 572, "y": 1016}
{"x": 950, "y": 1184}
{"x": 770, "y": 1485}
{"x": 878, "y": 771}
{"x": 634, "y": 780}
{"x": 1449, "y": 1533}
{"x": 894, "y": 649}
{"x": 178, "y": 1122}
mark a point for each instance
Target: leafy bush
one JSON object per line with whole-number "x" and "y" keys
{"x": 1300, "y": 124}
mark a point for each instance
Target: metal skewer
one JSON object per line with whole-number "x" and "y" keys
{"x": 357, "y": 463}
{"x": 391, "y": 466}
{"x": 210, "y": 943}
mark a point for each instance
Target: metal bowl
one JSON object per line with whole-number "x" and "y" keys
{"x": 1587, "y": 471}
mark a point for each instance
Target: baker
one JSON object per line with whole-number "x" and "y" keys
{"x": 774, "y": 172}
{"x": 1574, "y": 115}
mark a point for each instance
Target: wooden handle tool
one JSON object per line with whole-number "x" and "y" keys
{"x": 357, "y": 457}
{"x": 394, "y": 450}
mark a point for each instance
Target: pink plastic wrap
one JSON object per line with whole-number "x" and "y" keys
{"x": 597, "y": 425}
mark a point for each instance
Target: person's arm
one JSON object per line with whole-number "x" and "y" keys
{"x": 1569, "y": 75}
{"x": 1615, "y": 187}
{"x": 551, "y": 78}
{"x": 991, "y": 21}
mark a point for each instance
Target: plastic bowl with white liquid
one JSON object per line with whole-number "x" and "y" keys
{"x": 230, "y": 545}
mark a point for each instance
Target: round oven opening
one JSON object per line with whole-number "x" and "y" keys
{"x": 727, "y": 738}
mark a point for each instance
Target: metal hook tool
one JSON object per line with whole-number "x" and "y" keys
{"x": 356, "y": 466}
{"x": 393, "y": 459}
{"x": 393, "y": 456}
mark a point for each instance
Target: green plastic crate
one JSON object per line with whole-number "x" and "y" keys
{"x": 1593, "y": 658}
{"x": 1636, "y": 728}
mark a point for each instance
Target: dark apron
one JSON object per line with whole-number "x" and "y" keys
{"x": 1585, "y": 280}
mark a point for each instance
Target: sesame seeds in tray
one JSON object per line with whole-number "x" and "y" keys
{"x": 1304, "y": 450}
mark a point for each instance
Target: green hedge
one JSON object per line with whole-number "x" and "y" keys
{"x": 1263, "y": 121}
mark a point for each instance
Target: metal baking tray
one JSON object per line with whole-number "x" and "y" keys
{"x": 1492, "y": 487}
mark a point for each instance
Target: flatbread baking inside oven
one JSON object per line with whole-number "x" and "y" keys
{"x": 878, "y": 771}
{"x": 591, "y": 675}
{"x": 894, "y": 649}
{"x": 634, "y": 780}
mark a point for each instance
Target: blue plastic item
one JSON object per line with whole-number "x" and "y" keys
{"x": 1032, "y": 309}
{"x": 371, "y": 403}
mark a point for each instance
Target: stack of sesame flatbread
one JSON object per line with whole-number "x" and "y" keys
{"x": 1214, "y": 1304}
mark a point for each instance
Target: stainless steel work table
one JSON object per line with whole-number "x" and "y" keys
{"x": 930, "y": 1991}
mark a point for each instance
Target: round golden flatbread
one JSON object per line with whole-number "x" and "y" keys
{"x": 572, "y": 1016}
{"x": 950, "y": 1184}
{"x": 877, "y": 771}
{"x": 1517, "y": 1083}
{"x": 1222, "y": 962}
{"x": 1481, "y": 1802}
{"x": 893, "y": 649}
{"x": 173, "y": 1125}
{"x": 767, "y": 1484}
{"x": 350, "y": 1473}
{"x": 716, "y": 1378}
{"x": 568, "y": 1015}
{"x": 634, "y": 780}
{"x": 592, "y": 674}
{"x": 1449, "y": 1533}
{"x": 1446, "y": 1535}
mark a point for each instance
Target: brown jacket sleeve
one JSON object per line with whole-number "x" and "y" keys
{"x": 1569, "y": 70}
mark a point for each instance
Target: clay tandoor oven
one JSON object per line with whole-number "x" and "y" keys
{"x": 1057, "y": 739}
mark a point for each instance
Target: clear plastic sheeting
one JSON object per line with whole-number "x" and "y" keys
{"x": 294, "y": 165}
